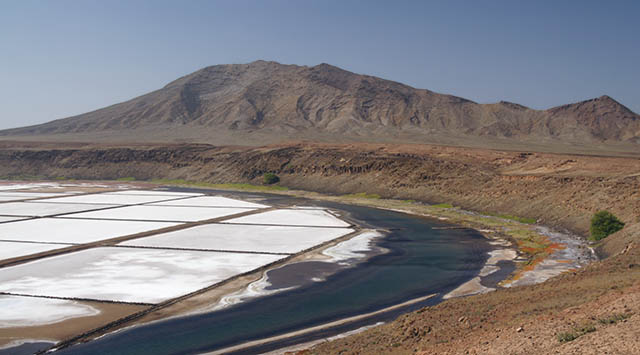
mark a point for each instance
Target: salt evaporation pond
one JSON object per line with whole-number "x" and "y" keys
{"x": 248, "y": 238}
{"x": 421, "y": 261}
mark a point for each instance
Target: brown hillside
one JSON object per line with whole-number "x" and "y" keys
{"x": 267, "y": 102}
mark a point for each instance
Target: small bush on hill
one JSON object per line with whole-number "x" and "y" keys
{"x": 575, "y": 333}
{"x": 603, "y": 224}
{"x": 270, "y": 178}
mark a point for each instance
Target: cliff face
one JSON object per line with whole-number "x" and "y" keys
{"x": 270, "y": 102}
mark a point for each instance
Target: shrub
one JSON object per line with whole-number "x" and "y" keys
{"x": 614, "y": 318}
{"x": 270, "y": 178}
{"x": 576, "y": 333}
{"x": 603, "y": 224}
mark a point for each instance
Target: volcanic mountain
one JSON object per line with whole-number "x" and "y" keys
{"x": 267, "y": 102}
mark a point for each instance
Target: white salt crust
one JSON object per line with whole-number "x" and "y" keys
{"x": 43, "y": 209}
{"x": 17, "y": 311}
{"x": 62, "y": 230}
{"x": 273, "y": 239}
{"x": 154, "y": 193}
{"x": 113, "y": 199}
{"x": 127, "y": 274}
{"x": 162, "y": 213}
{"x": 211, "y": 201}
{"x": 293, "y": 217}
{"x": 10, "y": 250}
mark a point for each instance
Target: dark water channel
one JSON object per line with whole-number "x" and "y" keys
{"x": 421, "y": 261}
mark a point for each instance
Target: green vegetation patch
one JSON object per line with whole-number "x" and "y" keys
{"x": 243, "y": 187}
{"x": 529, "y": 241}
{"x": 603, "y": 224}
{"x": 363, "y": 195}
{"x": 614, "y": 318}
{"x": 575, "y": 333}
{"x": 129, "y": 178}
{"x": 270, "y": 178}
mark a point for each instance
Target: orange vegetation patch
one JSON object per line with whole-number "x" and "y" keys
{"x": 564, "y": 261}
{"x": 530, "y": 250}
{"x": 553, "y": 247}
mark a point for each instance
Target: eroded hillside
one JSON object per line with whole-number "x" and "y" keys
{"x": 559, "y": 190}
{"x": 267, "y": 102}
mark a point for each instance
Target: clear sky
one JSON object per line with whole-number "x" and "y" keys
{"x": 60, "y": 58}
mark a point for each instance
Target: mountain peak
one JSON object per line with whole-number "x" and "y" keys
{"x": 604, "y": 100}
{"x": 513, "y": 105}
{"x": 265, "y": 101}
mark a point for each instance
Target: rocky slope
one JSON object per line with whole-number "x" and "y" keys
{"x": 264, "y": 102}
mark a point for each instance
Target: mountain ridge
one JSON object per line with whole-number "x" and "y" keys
{"x": 278, "y": 101}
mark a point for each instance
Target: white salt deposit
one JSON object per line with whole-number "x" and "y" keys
{"x": 16, "y": 311}
{"x": 255, "y": 289}
{"x": 154, "y": 193}
{"x": 10, "y": 250}
{"x": 474, "y": 286}
{"x": 18, "y": 195}
{"x": 42, "y": 209}
{"x": 9, "y": 219}
{"x": 354, "y": 248}
{"x": 10, "y": 198}
{"x": 162, "y": 213}
{"x": 10, "y": 187}
{"x": 274, "y": 239}
{"x": 293, "y": 217}
{"x": 115, "y": 199}
{"x": 127, "y": 274}
{"x": 27, "y": 195}
{"x": 211, "y": 201}
{"x": 64, "y": 230}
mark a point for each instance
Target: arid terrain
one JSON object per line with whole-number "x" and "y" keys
{"x": 380, "y": 143}
{"x": 267, "y": 102}
{"x": 559, "y": 190}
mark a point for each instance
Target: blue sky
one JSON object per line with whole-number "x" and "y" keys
{"x": 60, "y": 58}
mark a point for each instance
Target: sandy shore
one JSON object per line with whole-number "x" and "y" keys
{"x": 319, "y": 327}
{"x": 109, "y": 312}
